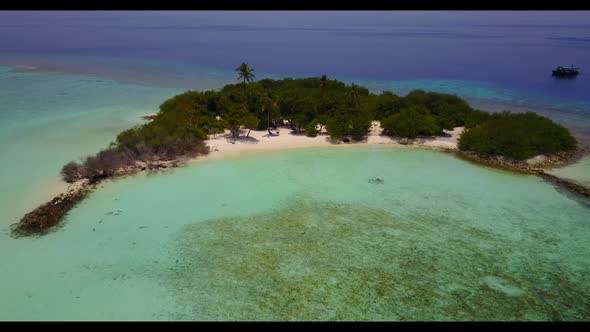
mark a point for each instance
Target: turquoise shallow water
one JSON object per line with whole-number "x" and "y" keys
{"x": 305, "y": 235}
{"x": 294, "y": 235}
{"x": 578, "y": 172}
{"x": 48, "y": 119}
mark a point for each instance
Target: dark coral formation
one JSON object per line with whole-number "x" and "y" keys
{"x": 330, "y": 261}
{"x": 376, "y": 181}
{"x": 558, "y": 160}
{"x": 45, "y": 217}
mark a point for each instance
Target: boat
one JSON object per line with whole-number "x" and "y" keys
{"x": 566, "y": 71}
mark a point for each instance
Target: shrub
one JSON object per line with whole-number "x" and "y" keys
{"x": 335, "y": 128}
{"x": 311, "y": 129}
{"x": 72, "y": 172}
{"x": 476, "y": 117}
{"x": 517, "y": 136}
{"x": 449, "y": 110}
{"x": 411, "y": 123}
{"x": 353, "y": 125}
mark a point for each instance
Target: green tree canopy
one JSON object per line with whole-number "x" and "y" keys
{"x": 245, "y": 73}
{"x": 412, "y": 122}
{"x": 346, "y": 111}
{"x": 518, "y": 136}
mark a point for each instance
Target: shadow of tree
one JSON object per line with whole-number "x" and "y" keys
{"x": 241, "y": 139}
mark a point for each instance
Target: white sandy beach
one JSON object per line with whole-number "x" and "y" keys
{"x": 224, "y": 145}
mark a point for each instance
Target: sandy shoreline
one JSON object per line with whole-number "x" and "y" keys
{"x": 224, "y": 146}
{"x": 66, "y": 196}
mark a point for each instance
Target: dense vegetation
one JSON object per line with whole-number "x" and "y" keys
{"x": 307, "y": 106}
{"x": 518, "y": 136}
{"x": 423, "y": 113}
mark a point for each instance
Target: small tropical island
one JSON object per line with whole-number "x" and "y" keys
{"x": 310, "y": 112}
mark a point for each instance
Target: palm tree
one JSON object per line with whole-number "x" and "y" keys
{"x": 323, "y": 81}
{"x": 268, "y": 104}
{"x": 354, "y": 94}
{"x": 245, "y": 73}
{"x": 322, "y": 106}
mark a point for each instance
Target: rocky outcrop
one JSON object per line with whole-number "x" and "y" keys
{"x": 50, "y": 214}
{"x": 571, "y": 186}
{"x": 156, "y": 165}
{"x": 376, "y": 181}
{"x": 47, "y": 216}
{"x": 535, "y": 166}
{"x": 405, "y": 141}
{"x": 530, "y": 166}
{"x": 149, "y": 117}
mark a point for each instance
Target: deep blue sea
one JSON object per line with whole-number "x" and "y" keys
{"x": 499, "y": 56}
{"x": 515, "y": 50}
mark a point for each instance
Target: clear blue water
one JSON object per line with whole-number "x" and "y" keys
{"x": 252, "y": 238}
{"x": 304, "y": 235}
{"x": 503, "y": 57}
{"x": 516, "y": 50}
{"x": 49, "y": 119}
